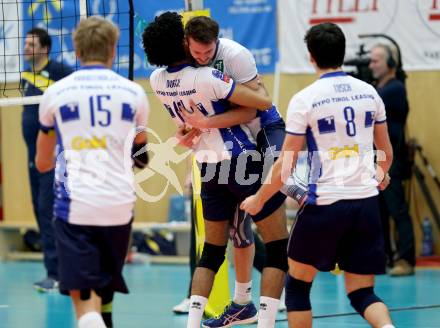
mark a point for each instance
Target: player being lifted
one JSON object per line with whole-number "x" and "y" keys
{"x": 268, "y": 129}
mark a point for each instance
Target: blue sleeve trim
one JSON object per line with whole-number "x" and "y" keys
{"x": 231, "y": 91}
{"x": 296, "y": 134}
{"x": 250, "y": 79}
{"x": 380, "y": 122}
{"x": 46, "y": 129}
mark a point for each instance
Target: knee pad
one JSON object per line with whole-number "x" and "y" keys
{"x": 297, "y": 294}
{"x": 276, "y": 254}
{"x": 362, "y": 298}
{"x": 106, "y": 294}
{"x": 212, "y": 257}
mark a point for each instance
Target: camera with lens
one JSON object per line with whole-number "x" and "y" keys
{"x": 360, "y": 62}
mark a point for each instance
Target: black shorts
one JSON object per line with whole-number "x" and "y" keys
{"x": 347, "y": 232}
{"x": 91, "y": 257}
{"x": 227, "y": 183}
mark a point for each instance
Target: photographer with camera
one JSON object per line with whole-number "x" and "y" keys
{"x": 387, "y": 72}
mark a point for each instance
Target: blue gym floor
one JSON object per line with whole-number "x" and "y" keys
{"x": 414, "y": 301}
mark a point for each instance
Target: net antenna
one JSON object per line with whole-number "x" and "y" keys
{"x": 83, "y": 9}
{"x": 193, "y": 5}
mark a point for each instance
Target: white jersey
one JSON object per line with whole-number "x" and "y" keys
{"x": 235, "y": 60}
{"x": 239, "y": 63}
{"x": 94, "y": 112}
{"x": 337, "y": 113}
{"x": 209, "y": 89}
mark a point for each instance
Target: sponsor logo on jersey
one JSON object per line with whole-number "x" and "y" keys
{"x": 344, "y": 152}
{"x": 80, "y": 143}
{"x": 221, "y": 76}
{"x": 218, "y": 64}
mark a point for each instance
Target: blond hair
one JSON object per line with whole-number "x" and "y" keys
{"x": 95, "y": 39}
{"x": 390, "y": 51}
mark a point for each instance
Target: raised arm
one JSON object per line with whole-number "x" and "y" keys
{"x": 237, "y": 115}
{"x": 244, "y": 96}
{"x": 225, "y": 120}
{"x": 278, "y": 175}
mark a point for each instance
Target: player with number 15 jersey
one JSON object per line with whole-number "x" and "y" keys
{"x": 96, "y": 128}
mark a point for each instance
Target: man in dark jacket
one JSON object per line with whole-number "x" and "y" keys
{"x": 384, "y": 64}
{"x": 41, "y": 73}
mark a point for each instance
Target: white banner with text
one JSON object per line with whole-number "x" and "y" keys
{"x": 413, "y": 24}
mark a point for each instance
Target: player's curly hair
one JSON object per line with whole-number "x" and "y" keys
{"x": 163, "y": 40}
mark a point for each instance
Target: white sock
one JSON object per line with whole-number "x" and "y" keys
{"x": 243, "y": 292}
{"x": 283, "y": 296}
{"x": 268, "y": 312}
{"x": 196, "y": 308}
{"x": 91, "y": 320}
{"x": 388, "y": 326}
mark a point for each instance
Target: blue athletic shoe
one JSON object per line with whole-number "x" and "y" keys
{"x": 46, "y": 285}
{"x": 233, "y": 315}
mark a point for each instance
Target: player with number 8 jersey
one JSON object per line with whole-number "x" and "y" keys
{"x": 338, "y": 129}
{"x": 341, "y": 118}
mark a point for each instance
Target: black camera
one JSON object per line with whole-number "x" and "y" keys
{"x": 361, "y": 62}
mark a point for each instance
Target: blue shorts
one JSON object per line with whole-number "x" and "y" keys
{"x": 271, "y": 135}
{"x": 91, "y": 257}
{"x": 270, "y": 140}
{"x": 347, "y": 232}
{"x": 223, "y": 191}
